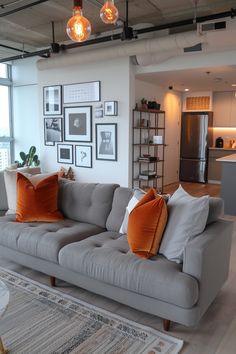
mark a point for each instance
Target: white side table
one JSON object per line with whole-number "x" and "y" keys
{"x": 4, "y": 300}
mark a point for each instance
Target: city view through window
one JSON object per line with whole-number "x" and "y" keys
{"x": 5, "y": 134}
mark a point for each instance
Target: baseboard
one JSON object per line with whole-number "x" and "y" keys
{"x": 212, "y": 181}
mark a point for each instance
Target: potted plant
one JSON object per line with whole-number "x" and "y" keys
{"x": 30, "y": 159}
{"x": 144, "y": 103}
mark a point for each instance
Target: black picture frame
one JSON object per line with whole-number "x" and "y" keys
{"x": 82, "y": 92}
{"x": 83, "y": 156}
{"x": 106, "y": 141}
{"x": 53, "y": 130}
{"x": 65, "y": 154}
{"x": 78, "y": 123}
{"x": 52, "y": 100}
{"x": 110, "y": 108}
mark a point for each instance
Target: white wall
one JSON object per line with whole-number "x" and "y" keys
{"x": 115, "y": 85}
{"x": 171, "y": 103}
{"x": 25, "y": 105}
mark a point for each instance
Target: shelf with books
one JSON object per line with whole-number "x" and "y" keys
{"x": 148, "y": 149}
{"x": 147, "y": 162}
{"x": 147, "y": 179}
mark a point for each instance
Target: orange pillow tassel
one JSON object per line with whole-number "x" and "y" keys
{"x": 146, "y": 225}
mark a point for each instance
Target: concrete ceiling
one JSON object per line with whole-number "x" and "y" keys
{"x": 31, "y": 27}
{"x": 205, "y": 79}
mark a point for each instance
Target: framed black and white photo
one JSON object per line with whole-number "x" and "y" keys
{"x": 106, "y": 142}
{"x": 52, "y": 100}
{"x": 65, "y": 153}
{"x": 83, "y": 156}
{"x": 78, "y": 124}
{"x": 110, "y": 108}
{"x": 52, "y": 130}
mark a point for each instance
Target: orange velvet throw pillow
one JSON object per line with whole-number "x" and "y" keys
{"x": 37, "y": 199}
{"x": 146, "y": 225}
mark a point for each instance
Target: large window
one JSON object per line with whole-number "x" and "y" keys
{"x": 4, "y": 71}
{"x": 6, "y": 139}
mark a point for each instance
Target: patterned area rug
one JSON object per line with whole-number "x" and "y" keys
{"x": 41, "y": 320}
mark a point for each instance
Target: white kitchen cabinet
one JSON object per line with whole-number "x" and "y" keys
{"x": 233, "y": 111}
{"x": 221, "y": 109}
{"x": 224, "y": 108}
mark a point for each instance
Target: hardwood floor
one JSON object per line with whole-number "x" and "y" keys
{"x": 215, "y": 334}
{"x": 195, "y": 189}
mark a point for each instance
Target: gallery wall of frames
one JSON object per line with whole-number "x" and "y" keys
{"x": 69, "y": 114}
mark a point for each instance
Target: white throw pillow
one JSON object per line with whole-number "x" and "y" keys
{"x": 10, "y": 184}
{"x": 187, "y": 217}
{"x": 138, "y": 194}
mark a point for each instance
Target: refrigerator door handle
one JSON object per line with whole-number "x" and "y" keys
{"x": 184, "y": 159}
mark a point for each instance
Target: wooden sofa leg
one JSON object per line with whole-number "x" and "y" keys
{"x": 52, "y": 281}
{"x": 166, "y": 325}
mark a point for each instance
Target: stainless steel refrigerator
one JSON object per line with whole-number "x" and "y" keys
{"x": 196, "y": 138}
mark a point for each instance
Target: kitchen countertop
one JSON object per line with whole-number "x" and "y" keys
{"x": 222, "y": 149}
{"x": 229, "y": 158}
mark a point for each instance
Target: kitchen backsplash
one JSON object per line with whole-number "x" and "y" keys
{"x": 227, "y": 134}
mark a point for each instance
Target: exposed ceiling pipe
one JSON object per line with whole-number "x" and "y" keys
{"x": 157, "y": 57}
{"x": 13, "y": 48}
{"x": 22, "y": 8}
{"x": 231, "y": 13}
{"x": 171, "y": 42}
{"x": 41, "y": 53}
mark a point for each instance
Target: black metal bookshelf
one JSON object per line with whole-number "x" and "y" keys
{"x": 148, "y": 158}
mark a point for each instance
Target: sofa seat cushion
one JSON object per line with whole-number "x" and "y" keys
{"x": 106, "y": 257}
{"x": 43, "y": 240}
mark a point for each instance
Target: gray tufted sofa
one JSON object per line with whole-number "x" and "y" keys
{"x": 87, "y": 250}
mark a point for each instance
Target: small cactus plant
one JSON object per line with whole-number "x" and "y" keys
{"x": 30, "y": 159}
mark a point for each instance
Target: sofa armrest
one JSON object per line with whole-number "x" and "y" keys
{"x": 207, "y": 256}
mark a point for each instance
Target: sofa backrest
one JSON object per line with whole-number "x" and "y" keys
{"x": 3, "y": 194}
{"x": 121, "y": 199}
{"x": 216, "y": 209}
{"x": 86, "y": 202}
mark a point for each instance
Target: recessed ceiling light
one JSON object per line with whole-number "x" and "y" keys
{"x": 186, "y": 89}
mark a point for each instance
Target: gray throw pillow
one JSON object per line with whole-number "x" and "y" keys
{"x": 187, "y": 217}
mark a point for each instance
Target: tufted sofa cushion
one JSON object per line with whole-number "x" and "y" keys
{"x": 43, "y": 240}
{"x": 86, "y": 202}
{"x": 106, "y": 257}
{"x": 121, "y": 199}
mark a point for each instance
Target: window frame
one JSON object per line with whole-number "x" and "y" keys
{"x": 10, "y": 139}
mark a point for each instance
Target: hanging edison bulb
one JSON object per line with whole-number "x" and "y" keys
{"x": 109, "y": 13}
{"x": 78, "y": 27}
